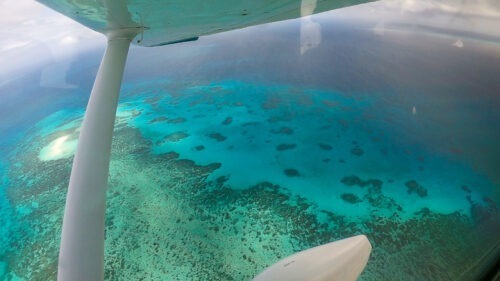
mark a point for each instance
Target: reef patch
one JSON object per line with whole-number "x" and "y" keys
{"x": 227, "y": 121}
{"x": 217, "y": 136}
{"x": 284, "y": 146}
{"x": 357, "y": 181}
{"x": 173, "y": 137}
{"x": 350, "y": 198}
{"x": 283, "y": 131}
{"x": 291, "y": 172}
{"x": 414, "y": 187}
{"x": 357, "y": 151}
{"x": 325, "y": 146}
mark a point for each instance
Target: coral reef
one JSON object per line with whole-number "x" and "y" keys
{"x": 217, "y": 136}
{"x": 357, "y": 151}
{"x": 291, "y": 172}
{"x": 325, "y": 146}
{"x": 356, "y": 181}
{"x": 284, "y": 146}
{"x": 167, "y": 120}
{"x": 171, "y": 222}
{"x": 414, "y": 187}
{"x": 283, "y": 131}
{"x": 351, "y": 198}
{"x": 158, "y": 119}
{"x": 173, "y": 137}
{"x": 227, "y": 121}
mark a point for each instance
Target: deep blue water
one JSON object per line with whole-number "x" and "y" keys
{"x": 227, "y": 158}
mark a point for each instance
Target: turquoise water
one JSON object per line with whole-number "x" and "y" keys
{"x": 218, "y": 181}
{"x": 224, "y": 160}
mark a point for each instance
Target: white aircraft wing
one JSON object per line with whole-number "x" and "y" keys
{"x": 170, "y": 21}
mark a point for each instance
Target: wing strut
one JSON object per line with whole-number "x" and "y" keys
{"x": 81, "y": 256}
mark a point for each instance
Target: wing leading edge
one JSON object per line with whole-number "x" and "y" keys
{"x": 168, "y": 21}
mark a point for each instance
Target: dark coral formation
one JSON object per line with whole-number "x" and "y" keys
{"x": 158, "y": 119}
{"x": 217, "y": 136}
{"x": 167, "y": 120}
{"x": 272, "y": 102}
{"x": 282, "y": 131}
{"x": 250, "y": 124}
{"x": 351, "y": 180}
{"x": 414, "y": 187}
{"x": 280, "y": 118}
{"x": 284, "y": 146}
{"x": 227, "y": 121}
{"x": 291, "y": 172}
{"x": 374, "y": 195}
{"x": 356, "y": 181}
{"x": 173, "y": 137}
{"x": 483, "y": 211}
{"x": 357, "y": 151}
{"x": 466, "y": 189}
{"x": 325, "y": 146}
{"x": 351, "y": 198}
{"x": 176, "y": 120}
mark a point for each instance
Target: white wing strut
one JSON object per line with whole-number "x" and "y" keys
{"x": 81, "y": 256}
{"x": 343, "y": 260}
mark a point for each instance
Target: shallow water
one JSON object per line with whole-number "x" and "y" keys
{"x": 215, "y": 176}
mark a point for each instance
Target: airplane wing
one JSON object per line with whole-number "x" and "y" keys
{"x": 170, "y": 21}
{"x": 342, "y": 260}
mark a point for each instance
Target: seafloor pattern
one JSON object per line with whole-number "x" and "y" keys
{"x": 216, "y": 182}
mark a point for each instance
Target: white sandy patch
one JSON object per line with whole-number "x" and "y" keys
{"x": 62, "y": 147}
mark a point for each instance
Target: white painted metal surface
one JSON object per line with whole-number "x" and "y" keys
{"x": 343, "y": 260}
{"x": 82, "y": 242}
{"x": 168, "y": 21}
